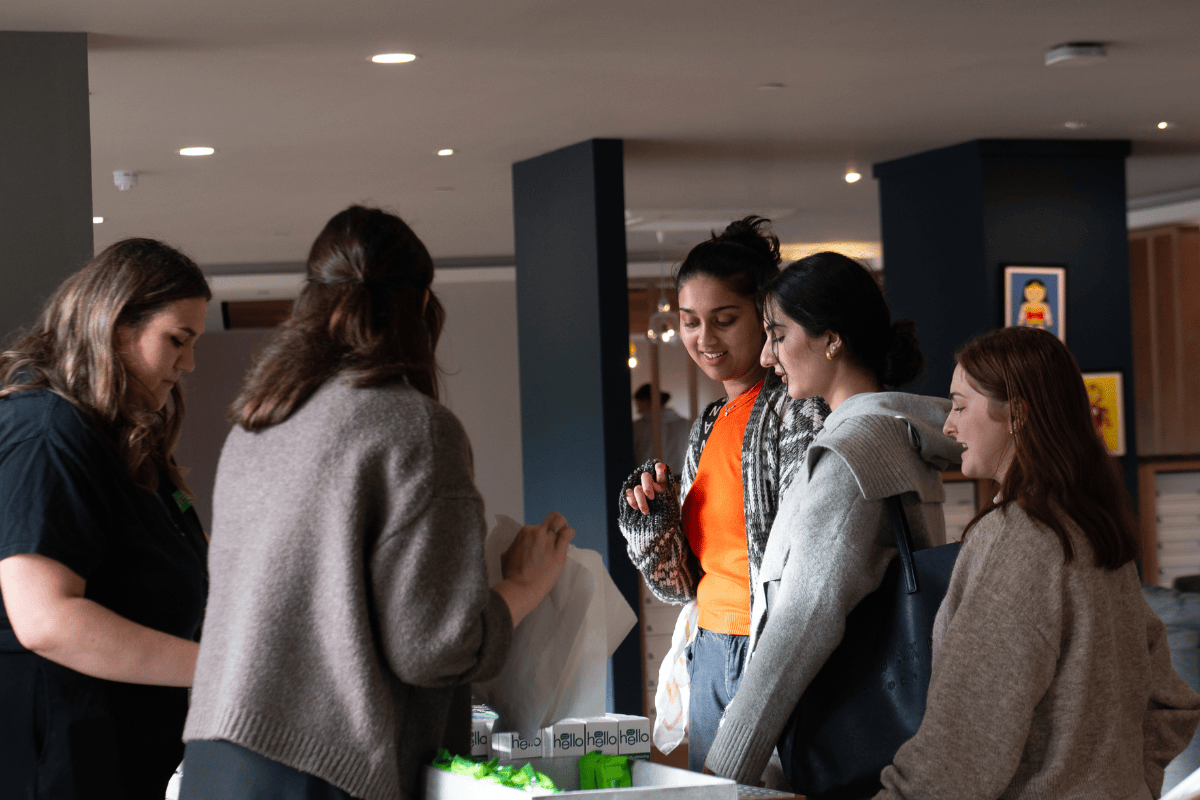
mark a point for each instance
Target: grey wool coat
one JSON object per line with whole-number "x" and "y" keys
{"x": 828, "y": 549}
{"x": 349, "y": 607}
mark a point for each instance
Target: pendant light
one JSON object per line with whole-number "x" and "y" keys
{"x": 664, "y": 325}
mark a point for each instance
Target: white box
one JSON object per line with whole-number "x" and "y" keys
{"x": 601, "y": 734}
{"x": 633, "y": 735}
{"x": 481, "y": 736}
{"x": 650, "y": 782}
{"x": 510, "y": 746}
{"x": 567, "y": 737}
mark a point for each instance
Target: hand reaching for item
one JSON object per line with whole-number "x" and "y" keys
{"x": 533, "y": 563}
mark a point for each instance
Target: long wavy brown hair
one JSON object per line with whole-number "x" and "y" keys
{"x": 365, "y": 313}
{"x": 72, "y": 350}
{"x": 1061, "y": 469}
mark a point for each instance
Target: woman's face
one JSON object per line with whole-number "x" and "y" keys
{"x": 721, "y": 332}
{"x": 794, "y": 355}
{"x": 161, "y": 349}
{"x": 982, "y": 427}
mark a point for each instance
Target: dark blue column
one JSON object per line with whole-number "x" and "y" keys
{"x": 46, "y": 169}
{"x": 573, "y": 334}
{"x": 952, "y": 218}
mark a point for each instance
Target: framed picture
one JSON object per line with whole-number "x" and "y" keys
{"x": 1108, "y": 408}
{"x": 1036, "y": 297}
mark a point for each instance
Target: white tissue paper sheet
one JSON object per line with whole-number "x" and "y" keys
{"x": 558, "y": 664}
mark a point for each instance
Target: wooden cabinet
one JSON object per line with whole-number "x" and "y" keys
{"x": 1164, "y": 272}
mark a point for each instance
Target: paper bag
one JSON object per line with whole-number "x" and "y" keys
{"x": 558, "y": 664}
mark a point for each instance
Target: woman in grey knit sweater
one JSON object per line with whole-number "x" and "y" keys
{"x": 349, "y": 607}
{"x": 831, "y": 334}
{"x": 1051, "y": 675}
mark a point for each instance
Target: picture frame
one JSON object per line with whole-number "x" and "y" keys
{"x": 1036, "y": 296}
{"x": 1107, "y": 400}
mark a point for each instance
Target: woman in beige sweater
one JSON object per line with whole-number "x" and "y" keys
{"x": 1051, "y": 675}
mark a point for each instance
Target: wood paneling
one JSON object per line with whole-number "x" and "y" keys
{"x": 1164, "y": 271}
{"x": 245, "y": 314}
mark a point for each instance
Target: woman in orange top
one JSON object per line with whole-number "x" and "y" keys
{"x": 706, "y": 544}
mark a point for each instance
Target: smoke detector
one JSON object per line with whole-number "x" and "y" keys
{"x": 124, "y": 179}
{"x": 1075, "y": 54}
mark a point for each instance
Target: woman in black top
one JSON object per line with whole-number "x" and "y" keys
{"x": 102, "y": 558}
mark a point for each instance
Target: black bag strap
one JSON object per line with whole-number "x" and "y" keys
{"x": 712, "y": 412}
{"x": 903, "y": 542}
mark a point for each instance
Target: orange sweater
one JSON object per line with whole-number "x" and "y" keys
{"x": 714, "y": 520}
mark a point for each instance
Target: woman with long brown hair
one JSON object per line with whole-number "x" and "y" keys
{"x": 350, "y": 608}
{"x": 1051, "y": 675}
{"x": 101, "y": 555}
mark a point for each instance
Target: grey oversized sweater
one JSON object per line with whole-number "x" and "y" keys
{"x": 349, "y": 606}
{"x": 1050, "y": 680}
{"x": 828, "y": 549}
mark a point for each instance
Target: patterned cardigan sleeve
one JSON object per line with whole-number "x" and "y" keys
{"x": 655, "y": 541}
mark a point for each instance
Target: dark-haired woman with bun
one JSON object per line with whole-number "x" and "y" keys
{"x": 350, "y": 609}
{"x": 707, "y": 544}
{"x": 1051, "y": 675}
{"x": 831, "y": 334}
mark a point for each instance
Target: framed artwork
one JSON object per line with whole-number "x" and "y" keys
{"x": 1036, "y": 297}
{"x": 1108, "y": 408}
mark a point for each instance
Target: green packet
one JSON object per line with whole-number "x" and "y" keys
{"x": 525, "y": 777}
{"x": 598, "y": 771}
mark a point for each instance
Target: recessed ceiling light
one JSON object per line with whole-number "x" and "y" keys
{"x": 769, "y": 87}
{"x": 197, "y": 151}
{"x": 393, "y": 58}
{"x": 1075, "y": 124}
{"x": 1162, "y": 126}
{"x": 852, "y": 176}
{"x": 97, "y": 220}
{"x": 446, "y": 151}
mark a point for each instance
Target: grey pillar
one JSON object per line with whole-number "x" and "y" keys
{"x": 952, "y": 218}
{"x": 45, "y": 169}
{"x": 573, "y": 334}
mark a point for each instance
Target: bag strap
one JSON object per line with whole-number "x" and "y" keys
{"x": 903, "y": 542}
{"x": 709, "y": 418}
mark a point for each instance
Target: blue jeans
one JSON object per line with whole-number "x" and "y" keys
{"x": 715, "y": 665}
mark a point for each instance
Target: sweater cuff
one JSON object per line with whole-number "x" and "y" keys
{"x": 740, "y": 752}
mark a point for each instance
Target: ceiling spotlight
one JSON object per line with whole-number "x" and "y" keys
{"x": 1075, "y": 54}
{"x": 197, "y": 151}
{"x": 1162, "y": 126}
{"x": 393, "y": 58}
{"x": 97, "y": 220}
{"x": 445, "y": 152}
{"x": 1075, "y": 124}
{"x": 852, "y": 176}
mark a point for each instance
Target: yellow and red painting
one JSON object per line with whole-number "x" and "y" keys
{"x": 1108, "y": 409}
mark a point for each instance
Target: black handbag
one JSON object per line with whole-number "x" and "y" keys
{"x": 869, "y": 697}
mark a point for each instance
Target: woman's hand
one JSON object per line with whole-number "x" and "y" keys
{"x": 532, "y": 564}
{"x": 51, "y": 617}
{"x": 639, "y": 497}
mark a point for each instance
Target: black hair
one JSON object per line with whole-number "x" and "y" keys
{"x": 744, "y": 256}
{"x": 643, "y": 394}
{"x": 831, "y": 292}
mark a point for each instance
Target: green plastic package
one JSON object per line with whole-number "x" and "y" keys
{"x": 598, "y": 771}
{"x": 526, "y": 777}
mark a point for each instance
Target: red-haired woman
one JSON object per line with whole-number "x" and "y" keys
{"x": 1051, "y": 675}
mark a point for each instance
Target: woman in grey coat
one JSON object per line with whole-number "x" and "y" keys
{"x": 830, "y": 334}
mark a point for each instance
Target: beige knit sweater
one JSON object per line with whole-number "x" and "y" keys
{"x": 1050, "y": 680}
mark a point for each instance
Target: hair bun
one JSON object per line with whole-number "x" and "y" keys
{"x": 903, "y": 362}
{"x": 751, "y": 232}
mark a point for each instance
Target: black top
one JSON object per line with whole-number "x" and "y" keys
{"x": 66, "y": 495}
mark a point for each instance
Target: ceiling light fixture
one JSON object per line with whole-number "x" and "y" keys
{"x": 393, "y": 58}
{"x": 664, "y": 326}
{"x": 1075, "y": 124}
{"x": 446, "y": 151}
{"x": 632, "y": 355}
{"x": 1076, "y": 54}
{"x": 197, "y": 151}
{"x": 1162, "y": 126}
{"x": 771, "y": 87}
{"x": 97, "y": 220}
{"x": 852, "y": 176}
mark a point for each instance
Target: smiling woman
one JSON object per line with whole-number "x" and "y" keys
{"x": 101, "y": 554}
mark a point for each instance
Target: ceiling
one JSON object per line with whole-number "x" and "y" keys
{"x": 304, "y": 124}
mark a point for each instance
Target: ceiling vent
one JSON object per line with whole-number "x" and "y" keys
{"x": 1075, "y": 54}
